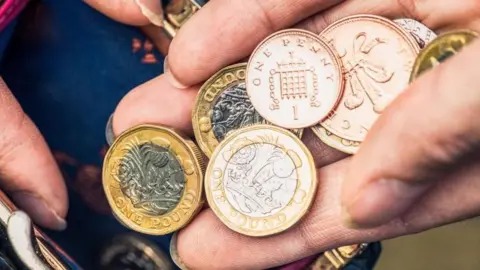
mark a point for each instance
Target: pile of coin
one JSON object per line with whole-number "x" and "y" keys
{"x": 248, "y": 119}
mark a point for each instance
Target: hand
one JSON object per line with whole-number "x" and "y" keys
{"x": 28, "y": 171}
{"x": 416, "y": 170}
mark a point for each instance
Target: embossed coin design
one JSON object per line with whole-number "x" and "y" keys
{"x": 377, "y": 56}
{"x": 261, "y": 180}
{"x": 440, "y": 49}
{"x": 152, "y": 178}
{"x": 294, "y": 79}
{"x": 334, "y": 141}
{"x": 422, "y": 34}
{"x": 222, "y": 106}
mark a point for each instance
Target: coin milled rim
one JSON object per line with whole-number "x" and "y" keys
{"x": 295, "y": 218}
{"x": 195, "y": 157}
{"x": 205, "y": 146}
{"x": 432, "y": 45}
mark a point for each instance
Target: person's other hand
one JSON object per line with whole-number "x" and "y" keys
{"x": 28, "y": 172}
{"x": 416, "y": 170}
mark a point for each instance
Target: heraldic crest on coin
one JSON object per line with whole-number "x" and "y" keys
{"x": 151, "y": 177}
{"x": 233, "y": 110}
{"x": 261, "y": 176}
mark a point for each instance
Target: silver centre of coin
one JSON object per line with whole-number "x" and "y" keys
{"x": 260, "y": 179}
{"x": 152, "y": 178}
{"x": 422, "y": 34}
{"x": 233, "y": 110}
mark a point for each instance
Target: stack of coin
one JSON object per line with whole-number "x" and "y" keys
{"x": 248, "y": 119}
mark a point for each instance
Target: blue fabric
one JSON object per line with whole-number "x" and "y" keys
{"x": 69, "y": 66}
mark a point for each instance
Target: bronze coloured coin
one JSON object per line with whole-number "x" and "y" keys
{"x": 222, "y": 105}
{"x": 294, "y": 79}
{"x": 377, "y": 56}
{"x": 261, "y": 180}
{"x": 422, "y": 34}
{"x": 440, "y": 49}
{"x": 152, "y": 178}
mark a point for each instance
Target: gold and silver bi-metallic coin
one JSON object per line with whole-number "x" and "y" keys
{"x": 222, "y": 106}
{"x": 152, "y": 177}
{"x": 440, "y": 49}
{"x": 261, "y": 180}
{"x": 294, "y": 79}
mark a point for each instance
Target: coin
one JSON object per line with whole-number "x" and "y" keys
{"x": 109, "y": 136}
{"x": 440, "y": 49}
{"x": 334, "y": 141}
{"x": 422, "y": 34}
{"x": 131, "y": 251}
{"x": 261, "y": 180}
{"x": 337, "y": 258}
{"x": 152, "y": 178}
{"x": 363, "y": 43}
{"x": 294, "y": 79}
{"x": 222, "y": 106}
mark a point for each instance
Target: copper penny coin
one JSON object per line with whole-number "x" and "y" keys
{"x": 294, "y": 79}
{"x": 378, "y": 56}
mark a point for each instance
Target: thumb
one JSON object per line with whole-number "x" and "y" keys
{"x": 28, "y": 172}
{"x": 132, "y": 12}
{"x": 426, "y": 133}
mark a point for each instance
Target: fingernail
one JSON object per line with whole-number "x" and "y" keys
{"x": 379, "y": 202}
{"x": 39, "y": 211}
{"x": 152, "y": 10}
{"x": 109, "y": 135}
{"x": 173, "y": 81}
{"x": 174, "y": 253}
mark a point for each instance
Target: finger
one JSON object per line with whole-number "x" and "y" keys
{"x": 28, "y": 172}
{"x": 238, "y": 26}
{"x": 133, "y": 12}
{"x": 156, "y": 102}
{"x": 427, "y": 131}
{"x": 207, "y": 244}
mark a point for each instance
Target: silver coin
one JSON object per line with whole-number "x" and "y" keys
{"x": 109, "y": 136}
{"x": 152, "y": 178}
{"x": 422, "y": 34}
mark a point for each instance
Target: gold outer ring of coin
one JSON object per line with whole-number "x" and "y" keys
{"x": 186, "y": 152}
{"x": 450, "y": 42}
{"x": 287, "y": 216}
{"x": 202, "y": 125}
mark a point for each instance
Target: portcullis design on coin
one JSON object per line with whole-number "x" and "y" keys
{"x": 372, "y": 81}
{"x": 294, "y": 79}
{"x": 222, "y": 106}
{"x": 261, "y": 180}
{"x": 152, "y": 179}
